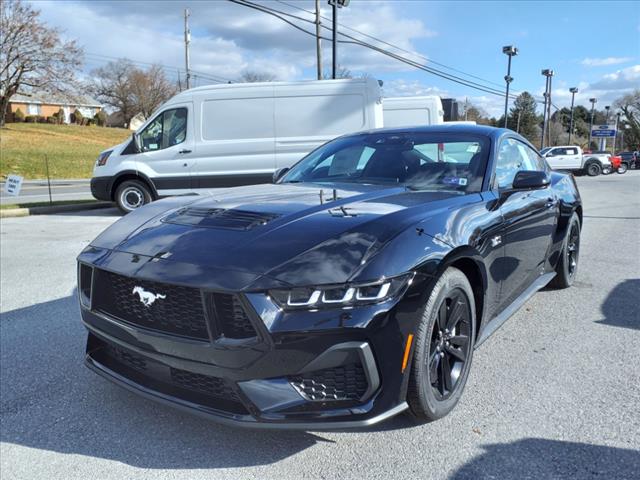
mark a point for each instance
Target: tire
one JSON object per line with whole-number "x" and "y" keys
{"x": 593, "y": 169}
{"x": 606, "y": 170}
{"x": 132, "y": 194}
{"x": 430, "y": 395}
{"x": 623, "y": 168}
{"x": 567, "y": 266}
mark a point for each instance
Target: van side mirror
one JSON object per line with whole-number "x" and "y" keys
{"x": 531, "y": 180}
{"x": 279, "y": 173}
{"x": 136, "y": 142}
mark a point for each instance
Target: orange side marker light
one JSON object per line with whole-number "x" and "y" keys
{"x": 407, "y": 349}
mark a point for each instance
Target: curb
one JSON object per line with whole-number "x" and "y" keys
{"x": 25, "y": 212}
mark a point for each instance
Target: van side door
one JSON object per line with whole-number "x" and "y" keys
{"x": 167, "y": 157}
{"x": 236, "y": 143}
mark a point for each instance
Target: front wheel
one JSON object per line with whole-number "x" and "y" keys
{"x": 606, "y": 170}
{"x": 623, "y": 168}
{"x": 132, "y": 194}
{"x": 444, "y": 348}
{"x": 567, "y": 266}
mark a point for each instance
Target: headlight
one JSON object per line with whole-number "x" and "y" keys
{"x": 102, "y": 158}
{"x": 339, "y": 296}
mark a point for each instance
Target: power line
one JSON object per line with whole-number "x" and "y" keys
{"x": 410, "y": 52}
{"x": 279, "y": 14}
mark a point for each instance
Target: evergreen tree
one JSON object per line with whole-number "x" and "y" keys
{"x": 525, "y": 107}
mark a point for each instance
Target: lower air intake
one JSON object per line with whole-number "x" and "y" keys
{"x": 347, "y": 382}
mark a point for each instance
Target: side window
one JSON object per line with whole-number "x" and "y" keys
{"x": 572, "y": 151}
{"x": 512, "y": 157}
{"x": 167, "y": 129}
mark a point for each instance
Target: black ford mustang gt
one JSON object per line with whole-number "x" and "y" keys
{"x": 353, "y": 288}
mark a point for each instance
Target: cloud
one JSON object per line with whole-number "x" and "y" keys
{"x": 619, "y": 80}
{"x": 602, "y": 62}
{"x": 227, "y": 38}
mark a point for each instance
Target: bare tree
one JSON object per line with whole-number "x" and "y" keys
{"x": 251, "y": 76}
{"x": 341, "y": 72}
{"x": 32, "y": 55}
{"x": 630, "y": 106}
{"x": 131, "y": 90}
{"x": 150, "y": 89}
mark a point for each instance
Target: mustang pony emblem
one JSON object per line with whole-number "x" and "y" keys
{"x": 147, "y": 298}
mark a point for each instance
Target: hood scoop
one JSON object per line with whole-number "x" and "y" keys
{"x": 230, "y": 219}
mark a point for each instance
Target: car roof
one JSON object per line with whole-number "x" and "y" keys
{"x": 483, "y": 130}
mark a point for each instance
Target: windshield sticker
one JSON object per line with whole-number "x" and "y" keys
{"x": 455, "y": 181}
{"x": 473, "y": 148}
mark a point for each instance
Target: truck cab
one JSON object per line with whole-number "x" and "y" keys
{"x": 563, "y": 158}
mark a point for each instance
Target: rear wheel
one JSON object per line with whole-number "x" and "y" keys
{"x": 132, "y": 194}
{"x": 444, "y": 348}
{"x": 606, "y": 170}
{"x": 593, "y": 169}
{"x": 623, "y": 168}
{"x": 567, "y": 266}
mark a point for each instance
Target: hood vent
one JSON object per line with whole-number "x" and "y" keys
{"x": 230, "y": 219}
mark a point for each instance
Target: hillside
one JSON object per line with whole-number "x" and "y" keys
{"x": 71, "y": 149}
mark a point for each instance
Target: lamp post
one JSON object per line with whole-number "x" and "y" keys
{"x": 336, "y": 4}
{"x": 603, "y": 141}
{"x": 510, "y": 51}
{"x": 548, "y": 73}
{"x": 573, "y": 91}
{"x": 615, "y": 137}
{"x": 593, "y": 106}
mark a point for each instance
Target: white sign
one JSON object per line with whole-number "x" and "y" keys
{"x": 13, "y": 185}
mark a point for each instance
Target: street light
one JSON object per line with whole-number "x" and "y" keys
{"x": 603, "y": 141}
{"x": 335, "y": 5}
{"x": 510, "y": 51}
{"x": 573, "y": 91}
{"x": 547, "y": 72}
{"x": 593, "y": 106}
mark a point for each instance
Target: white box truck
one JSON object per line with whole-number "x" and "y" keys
{"x": 231, "y": 134}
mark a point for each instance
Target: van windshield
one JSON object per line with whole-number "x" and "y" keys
{"x": 419, "y": 161}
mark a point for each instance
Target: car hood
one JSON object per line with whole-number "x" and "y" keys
{"x": 296, "y": 233}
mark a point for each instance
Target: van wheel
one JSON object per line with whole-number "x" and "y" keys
{"x": 132, "y": 194}
{"x": 593, "y": 169}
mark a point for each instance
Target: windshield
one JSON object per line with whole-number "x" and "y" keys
{"x": 419, "y": 161}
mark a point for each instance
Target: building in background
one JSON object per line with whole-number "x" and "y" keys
{"x": 450, "y": 107}
{"x": 46, "y": 105}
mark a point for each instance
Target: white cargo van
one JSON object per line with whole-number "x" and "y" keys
{"x": 412, "y": 111}
{"x": 231, "y": 134}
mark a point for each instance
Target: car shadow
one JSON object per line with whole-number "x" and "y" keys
{"x": 620, "y": 308}
{"x": 50, "y": 401}
{"x": 550, "y": 459}
{"x": 96, "y": 212}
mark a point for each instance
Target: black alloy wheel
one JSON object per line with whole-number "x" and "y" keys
{"x": 449, "y": 347}
{"x": 443, "y": 348}
{"x": 567, "y": 266}
{"x": 594, "y": 169}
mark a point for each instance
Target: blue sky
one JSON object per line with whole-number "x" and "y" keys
{"x": 594, "y": 45}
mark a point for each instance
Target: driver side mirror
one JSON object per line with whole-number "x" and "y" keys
{"x": 137, "y": 143}
{"x": 279, "y": 173}
{"x": 531, "y": 180}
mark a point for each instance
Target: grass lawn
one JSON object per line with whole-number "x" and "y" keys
{"x": 71, "y": 149}
{"x": 45, "y": 204}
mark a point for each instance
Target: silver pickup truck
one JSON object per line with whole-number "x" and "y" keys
{"x": 571, "y": 157}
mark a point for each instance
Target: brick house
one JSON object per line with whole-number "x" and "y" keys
{"x": 46, "y": 105}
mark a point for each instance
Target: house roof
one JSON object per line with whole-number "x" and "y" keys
{"x": 42, "y": 98}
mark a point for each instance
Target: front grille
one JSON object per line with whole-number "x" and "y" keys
{"x": 176, "y": 310}
{"x": 231, "y": 219}
{"x": 231, "y": 318}
{"x": 214, "y": 386}
{"x": 347, "y": 382}
{"x": 126, "y": 357}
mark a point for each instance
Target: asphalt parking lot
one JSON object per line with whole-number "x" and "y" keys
{"x": 555, "y": 393}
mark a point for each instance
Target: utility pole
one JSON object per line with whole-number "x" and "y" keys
{"x": 518, "y": 125}
{"x": 548, "y": 73}
{"x": 593, "y": 106}
{"x": 510, "y": 51}
{"x": 573, "y": 91}
{"x": 336, "y": 4}
{"x": 318, "y": 42}
{"x": 187, "y": 40}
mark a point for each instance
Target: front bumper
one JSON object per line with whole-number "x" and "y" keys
{"x": 101, "y": 188}
{"x": 305, "y": 370}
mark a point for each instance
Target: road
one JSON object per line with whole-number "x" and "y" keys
{"x": 553, "y": 394}
{"x": 33, "y": 191}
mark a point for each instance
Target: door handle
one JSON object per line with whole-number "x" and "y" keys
{"x": 551, "y": 202}
{"x": 184, "y": 150}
